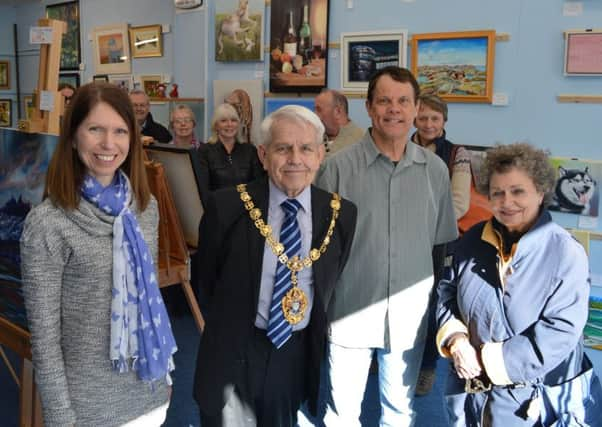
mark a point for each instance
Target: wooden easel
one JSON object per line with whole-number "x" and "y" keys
{"x": 48, "y": 80}
{"x": 174, "y": 258}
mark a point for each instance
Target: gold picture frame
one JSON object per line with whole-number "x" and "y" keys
{"x": 146, "y": 41}
{"x": 4, "y": 75}
{"x": 457, "y": 66}
{"x": 149, "y": 84}
{"x": 6, "y": 112}
{"x": 111, "y": 49}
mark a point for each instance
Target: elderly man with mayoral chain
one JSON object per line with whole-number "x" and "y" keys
{"x": 270, "y": 253}
{"x": 405, "y": 215}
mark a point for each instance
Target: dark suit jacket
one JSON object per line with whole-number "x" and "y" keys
{"x": 229, "y": 262}
{"x": 156, "y": 130}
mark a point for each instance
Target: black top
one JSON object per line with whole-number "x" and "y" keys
{"x": 222, "y": 170}
{"x": 156, "y": 130}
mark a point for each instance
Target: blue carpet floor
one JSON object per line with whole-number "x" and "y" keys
{"x": 183, "y": 411}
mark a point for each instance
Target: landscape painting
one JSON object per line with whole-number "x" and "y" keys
{"x": 70, "y": 49}
{"x": 457, "y": 66}
{"x": 24, "y": 161}
{"x": 239, "y": 30}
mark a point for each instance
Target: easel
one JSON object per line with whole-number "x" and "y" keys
{"x": 48, "y": 80}
{"x": 174, "y": 259}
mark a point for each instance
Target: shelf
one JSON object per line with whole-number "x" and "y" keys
{"x": 580, "y": 99}
{"x": 155, "y": 99}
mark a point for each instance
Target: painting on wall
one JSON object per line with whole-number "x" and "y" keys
{"x": 582, "y": 54}
{"x": 69, "y": 78}
{"x": 4, "y": 75}
{"x": 222, "y": 91}
{"x": 239, "y": 30}
{"x": 111, "y": 49}
{"x": 124, "y": 81}
{"x": 5, "y": 113}
{"x": 146, "y": 41}
{"x": 362, "y": 54}
{"x": 576, "y": 190}
{"x": 456, "y": 66}
{"x": 592, "y": 333}
{"x": 70, "y": 49}
{"x": 272, "y": 104}
{"x": 24, "y": 159}
{"x": 298, "y": 46}
{"x": 150, "y": 85}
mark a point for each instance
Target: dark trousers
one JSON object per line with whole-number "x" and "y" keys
{"x": 273, "y": 389}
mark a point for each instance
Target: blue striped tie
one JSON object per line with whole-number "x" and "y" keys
{"x": 279, "y": 330}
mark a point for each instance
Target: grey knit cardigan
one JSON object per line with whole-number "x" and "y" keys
{"x": 67, "y": 278}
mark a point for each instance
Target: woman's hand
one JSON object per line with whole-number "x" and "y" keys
{"x": 466, "y": 359}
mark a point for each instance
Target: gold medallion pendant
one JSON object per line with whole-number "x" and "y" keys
{"x": 294, "y": 304}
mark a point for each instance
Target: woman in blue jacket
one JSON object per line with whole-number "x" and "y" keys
{"x": 512, "y": 306}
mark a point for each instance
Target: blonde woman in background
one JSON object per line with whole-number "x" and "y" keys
{"x": 182, "y": 123}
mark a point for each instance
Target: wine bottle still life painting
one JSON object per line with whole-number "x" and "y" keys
{"x": 239, "y": 30}
{"x": 298, "y": 45}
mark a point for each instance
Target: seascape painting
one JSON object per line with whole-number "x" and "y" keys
{"x": 24, "y": 161}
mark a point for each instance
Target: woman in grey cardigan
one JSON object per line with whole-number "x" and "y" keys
{"x": 101, "y": 340}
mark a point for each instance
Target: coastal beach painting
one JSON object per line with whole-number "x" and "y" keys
{"x": 456, "y": 66}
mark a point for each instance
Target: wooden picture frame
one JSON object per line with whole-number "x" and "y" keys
{"x": 6, "y": 110}
{"x": 456, "y": 66}
{"x": 582, "y": 54}
{"x": 246, "y": 43}
{"x": 363, "y": 53}
{"x": 4, "y": 75}
{"x": 71, "y": 78}
{"x": 100, "y": 78}
{"x": 71, "y": 48}
{"x": 149, "y": 84}
{"x": 306, "y": 70}
{"x": 146, "y": 41}
{"x": 28, "y": 107}
{"x": 111, "y": 49}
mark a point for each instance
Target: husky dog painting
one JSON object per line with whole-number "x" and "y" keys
{"x": 575, "y": 191}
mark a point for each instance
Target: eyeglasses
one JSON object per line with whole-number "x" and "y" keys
{"x": 183, "y": 121}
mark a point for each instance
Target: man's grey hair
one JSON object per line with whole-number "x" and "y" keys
{"x": 338, "y": 100}
{"x": 140, "y": 92}
{"x": 292, "y": 114}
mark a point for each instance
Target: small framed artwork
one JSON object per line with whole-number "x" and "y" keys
{"x": 150, "y": 84}
{"x": 364, "y": 53}
{"x": 146, "y": 41}
{"x": 28, "y": 106}
{"x": 100, "y": 78}
{"x": 70, "y": 78}
{"x": 298, "y": 46}
{"x": 239, "y": 30}
{"x": 583, "y": 53}
{"x": 456, "y": 66}
{"x": 111, "y": 49}
{"x": 124, "y": 81}
{"x": 70, "y": 49}
{"x": 5, "y": 112}
{"x": 4, "y": 75}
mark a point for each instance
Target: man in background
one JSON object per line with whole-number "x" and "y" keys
{"x": 148, "y": 127}
{"x": 405, "y": 217}
{"x": 333, "y": 109}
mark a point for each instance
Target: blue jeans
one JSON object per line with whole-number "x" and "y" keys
{"x": 347, "y": 376}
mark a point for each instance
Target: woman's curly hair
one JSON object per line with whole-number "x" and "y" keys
{"x": 523, "y": 156}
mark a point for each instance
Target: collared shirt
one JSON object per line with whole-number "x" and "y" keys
{"x": 404, "y": 209}
{"x": 348, "y": 134}
{"x": 268, "y": 269}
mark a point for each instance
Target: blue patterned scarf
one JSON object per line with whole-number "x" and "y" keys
{"x": 140, "y": 329}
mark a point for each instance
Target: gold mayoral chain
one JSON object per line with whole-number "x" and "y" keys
{"x": 294, "y": 302}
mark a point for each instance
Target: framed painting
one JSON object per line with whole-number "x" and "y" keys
{"x": 70, "y": 49}
{"x": 28, "y": 106}
{"x": 100, "y": 78}
{"x": 456, "y": 66}
{"x": 146, "y": 41}
{"x": 70, "y": 78}
{"x": 111, "y": 49}
{"x": 150, "y": 84}
{"x": 239, "y": 30}
{"x": 364, "y": 53}
{"x": 124, "y": 81}
{"x": 583, "y": 53}
{"x": 576, "y": 189}
{"x": 5, "y": 113}
{"x": 298, "y": 46}
{"x": 4, "y": 75}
